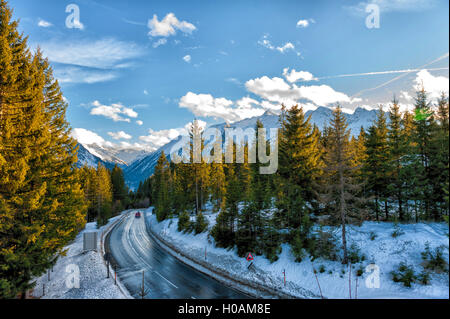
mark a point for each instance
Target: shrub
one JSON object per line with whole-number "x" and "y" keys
{"x": 404, "y": 274}
{"x": 424, "y": 277}
{"x": 200, "y": 224}
{"x": 360, "y": 271}
{"x": 322, "y": 269}
{"x": 323, "y": 245}
{"x": 434, "y": 260}
{"x": 372, "y": 235}
{"x": 354, "y": 254}
{"x": 397, "y": 231}
{"x": 184, "y": 221}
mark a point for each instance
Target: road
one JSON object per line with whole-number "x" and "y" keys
{"x": 165, "y": 277}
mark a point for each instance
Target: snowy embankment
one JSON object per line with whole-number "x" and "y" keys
{"x": 93, "y": 283}
{"x": 335, "y": 280}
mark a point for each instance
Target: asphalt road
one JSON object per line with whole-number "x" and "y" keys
{"x": 165, "y": 277}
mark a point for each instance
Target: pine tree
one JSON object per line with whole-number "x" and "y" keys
{"x": 41, "y": 203}
{"x": 440, "y": 157}
{"x": 299, "y": 167}
{"x": 376, "y": 168}
{"x": 397, "y": 150}
{"x": 224, "y": 231}
{"x": 339, "y": 184}
{"x": 424, "y": 126}
{"x": 161, "y": 188}
{"x": 120, "y": 191}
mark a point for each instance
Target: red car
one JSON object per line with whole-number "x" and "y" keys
{"x": 138, "y": 215}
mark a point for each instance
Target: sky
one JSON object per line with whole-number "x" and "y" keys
{"x": 135, "y": 73}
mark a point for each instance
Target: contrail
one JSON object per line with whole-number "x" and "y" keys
{"x": 446, "y": 55}
{"x": 379, "y": 73}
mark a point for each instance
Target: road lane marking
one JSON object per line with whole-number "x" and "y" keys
{"x": 165, "y": 278}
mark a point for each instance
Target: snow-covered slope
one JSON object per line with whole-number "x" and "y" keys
{"x": 384, "y": 251}
{"x": 144, "y": 167}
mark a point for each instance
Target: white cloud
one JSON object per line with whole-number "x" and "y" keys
{"x": 187, "y": 58}
{"x": 145, "y": 92}
{"x": 286, "y": 47}
{"x": 168, "y": 26}
{"x": 205, "y": 105}
{"x": 101, "y": 54}
{"x": 272, "y": 89}
{"x": 44, "y": 24}
{"x": 405, "y": 95}
{"x": 115, "y": 111}
{"x": 160, "y": 42}
{"x": 277, "y": 90}
{"x": 322, "y": 95}
{"x": 139, "y": 122}
{"x": 156, "y": 139}
{"x": 120, "y": 135}
{"x": 83, "y": 75}
{"x": 434, "y": 85}
{"x": 294, "y": 76}
{"x": 304, "y": 23}
{"x": 87, "y": 137}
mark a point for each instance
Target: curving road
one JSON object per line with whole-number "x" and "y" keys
{"x": 133, "y": 251}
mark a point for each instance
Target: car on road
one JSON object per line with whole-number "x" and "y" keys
{"x": 138, "y": 215}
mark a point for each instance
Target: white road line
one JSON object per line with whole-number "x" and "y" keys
{"x": 165, "y": 278}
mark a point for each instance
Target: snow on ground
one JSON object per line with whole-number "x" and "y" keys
{"x": 92, "y": 271}
{"x": 385, "y": 251}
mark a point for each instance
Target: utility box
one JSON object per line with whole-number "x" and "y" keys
{"x": 90, "y": 241}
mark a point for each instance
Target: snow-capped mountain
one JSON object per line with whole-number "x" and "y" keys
{"x": 86, "y": 158}
{"x": 144, "y": 167}
{"x": 119, "y": 155}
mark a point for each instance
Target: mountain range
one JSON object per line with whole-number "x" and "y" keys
{"x": 142, "y": 168}
{"x": 138, "y": 165}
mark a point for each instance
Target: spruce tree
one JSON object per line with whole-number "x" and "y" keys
{"x": 397, "y": 143}
{"x": 376, "y": 168}
{"x": 41, "y": 203}
{"x": 341, "y": 190}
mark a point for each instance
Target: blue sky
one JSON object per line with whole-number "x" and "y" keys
{"x": 136, "y": 72}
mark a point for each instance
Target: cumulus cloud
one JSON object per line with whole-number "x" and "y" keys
{"x": 277, "y": 90}
{"x": 116, "y": 111}
{"x": 139, "y": 122}
{"x": 168, "y": 26}
{"x": 156, "y": 139}
{"x": 294, "y": 76}
{"x": 434, "y": 85}
{"x": 87, "y": 137}
{"x": 405, "y": 95}
{"x": 304, "y": 23}
{"x": 187, "y": 58}
{"x": 121, "y": 135}
{"x": 322, "y": 95}
{"x": 44, "y": 24}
